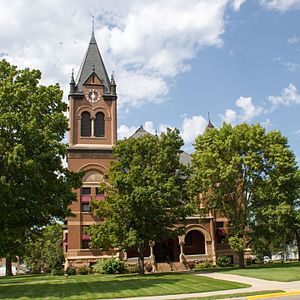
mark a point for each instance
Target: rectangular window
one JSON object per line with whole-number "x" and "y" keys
{"x": 85, "y": 244}
{"x": 219, "y": 224}
{"x": 86, "y": 207}
{"x": 86, "y": 191}
{"x": 99, "y": 192}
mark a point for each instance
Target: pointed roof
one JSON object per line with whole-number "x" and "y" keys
{"x": 92, "y": 62}
{"x": 140, "y": 132}
{"x": 185, "y": 158}
{"x": 210, "y": 124}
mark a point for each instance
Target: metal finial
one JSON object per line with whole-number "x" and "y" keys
{"x": 208, "y": 116}
{"x": 93, "y": 24}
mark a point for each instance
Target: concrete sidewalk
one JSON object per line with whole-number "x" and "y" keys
{"x": 256, "y": 285}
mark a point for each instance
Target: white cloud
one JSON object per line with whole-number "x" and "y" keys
{"x": 292, "y": 67}
{"x": 237, "y": 4}
{"x": 229, "y": 116}
{"x": 147, "y": 43}
{"x": 125, "y": 131}
{"x": 267, "y": 123}
{"x": 149, "y": 126}
{"x": 192, "y": 127}
{"x": 297, "y": 132}
{"x": 249, "y": 110}
{"x": 293, "y": 40}
{"x": 289, "y": 95}
{"x": 281, "y": 5}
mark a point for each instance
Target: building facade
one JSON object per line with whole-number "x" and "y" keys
{"x": 92, "y": 135}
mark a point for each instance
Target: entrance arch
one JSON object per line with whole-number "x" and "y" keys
{"x": 194, "y": 243}
{"x": 167, "y": 250}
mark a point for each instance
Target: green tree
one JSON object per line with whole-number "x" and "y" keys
{"x": 44, "y": 249}
{"x": 145, "y": 194}
{"x": 35, "y": 187}
{"x": 240, "y": 171}
{"x": 278, "y": 221}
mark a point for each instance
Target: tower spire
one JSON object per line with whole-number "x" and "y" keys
{"x": 72, "y": 83}
{"x": 93, "y": 25}
{"x": 210, "y": 124}
{"x": 92, "y": 62}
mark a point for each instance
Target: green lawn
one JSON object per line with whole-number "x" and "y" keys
{"x": 107, "y": 286}
{"x": 275, "y": 271}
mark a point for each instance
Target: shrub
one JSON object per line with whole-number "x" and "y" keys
{"x": 223, "y": 261}
{"x": 132, "y": 268}
{"x": 109, "y": 266}
{"x": 249, "y": 261}
{"x": 203, "y": 265}
{"x": 71, "y": 271}
{"x": 57, "y": 272}
{"x": 84, "y": 270}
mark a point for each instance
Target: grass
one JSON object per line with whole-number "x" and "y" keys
{"x": 234, "y": 295}
{"x": 107, "y": 286}
{"x": 284, "y": 272}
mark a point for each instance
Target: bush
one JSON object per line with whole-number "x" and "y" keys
{"x": 223, "y": 261}
{"x": 109, "y": 266}
{"x": 203, "y": 265}
{"x": 132, "y": 268}
{"x": 71, "y": 271}
{"x": 84, "y": 270}
{"x": 57, "y": 272}
{"x": 250, "y": 261}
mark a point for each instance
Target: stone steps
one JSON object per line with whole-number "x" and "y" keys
{"x": 171, "y": 267}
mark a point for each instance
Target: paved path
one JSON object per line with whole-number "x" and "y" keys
{"x": 256, "y": 285}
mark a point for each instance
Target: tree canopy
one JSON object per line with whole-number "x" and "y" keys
{"x": 35, "y": 187}
{"x": 146, "y": 194}
{"x": 44, "y": 249}
{"x": 240, "y": 171}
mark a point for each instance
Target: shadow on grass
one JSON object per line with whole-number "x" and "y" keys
{"x": 106, "y": 286}
{"x": 70, "y": 287}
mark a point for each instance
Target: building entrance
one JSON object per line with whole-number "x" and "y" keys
{"x": 167, "y": 250}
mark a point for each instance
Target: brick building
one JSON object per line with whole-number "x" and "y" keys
{"x": 93, "y": 133}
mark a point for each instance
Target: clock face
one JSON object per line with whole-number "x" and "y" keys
{"x": 93, "y": 96}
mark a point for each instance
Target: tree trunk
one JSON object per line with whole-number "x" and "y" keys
{"x": 298, "y": 244}
{"x": 8, "y": 269}
{"x": 141, "y": 261}
{"x": 241, "y": 260}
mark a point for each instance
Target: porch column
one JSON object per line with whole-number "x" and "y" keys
{"x": 181, "y": 244}
{"x": 152, "y": 257}
{"x": 213, "y": 241}
{"x": 66, "y": 265}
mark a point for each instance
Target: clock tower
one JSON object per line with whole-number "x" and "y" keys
{"x": 92, "y": 135}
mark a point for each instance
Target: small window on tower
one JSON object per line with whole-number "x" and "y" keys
{"x": 86, "y": 207}
{"x": 86, "y": 124}
{"x": 99, "y": 191}
{"x": 86, "y": 191}
{"x": 99, "y": 125}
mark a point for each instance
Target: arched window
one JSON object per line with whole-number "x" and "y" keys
{"x": 194, "y": 243}
{"x": 85, "y": 124}
{"x": 99, "y": 125}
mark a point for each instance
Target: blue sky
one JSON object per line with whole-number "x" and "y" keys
{"x": 174, "y": 60}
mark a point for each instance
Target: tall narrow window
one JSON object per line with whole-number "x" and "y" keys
{"x": 99, "y": 125}
{"x": 85, "y": 124}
